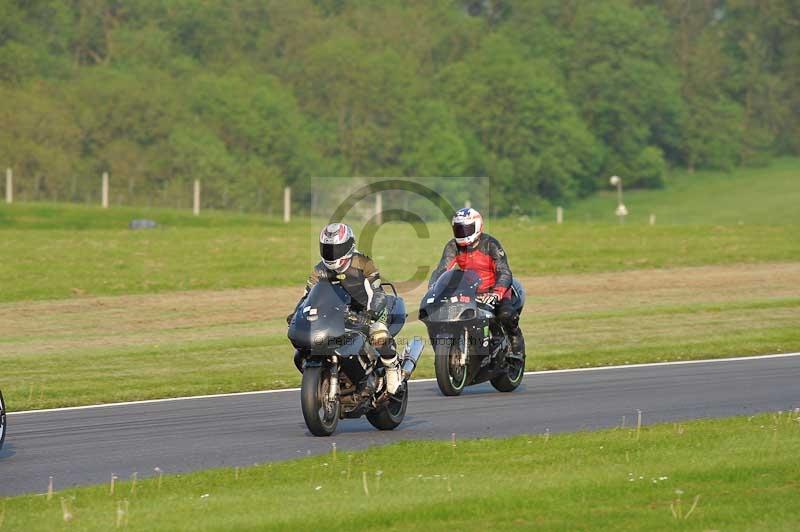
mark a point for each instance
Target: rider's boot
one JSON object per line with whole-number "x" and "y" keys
{"x": 393, "y": 377}
{"x": 380, "y": 338}
{"x": 517, "y": 342}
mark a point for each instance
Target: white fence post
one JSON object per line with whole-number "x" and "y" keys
{"x": 196, "y": 202}
{"x": 652, "y": 219}
{"x": 105, "y": 190}
{"x": 378, "y": 208}
{"x": 559, "y": 215}
{"x": 467, "y": 204}
{"x": 287, "y": 204}
{"x": 9, "y": 186}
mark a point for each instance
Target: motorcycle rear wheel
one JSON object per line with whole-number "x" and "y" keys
{"x": 390, "y": 415}
{"x": 450, "y": 376}
{"x": 321, "y": 415}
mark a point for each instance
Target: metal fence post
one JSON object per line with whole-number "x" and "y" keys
{"x": 9, "y": 186}
{"x": 105, "y": 190}
{"x": 196, "y": 202}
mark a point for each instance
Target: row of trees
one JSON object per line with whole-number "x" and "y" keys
{"x": 548, "y": 97}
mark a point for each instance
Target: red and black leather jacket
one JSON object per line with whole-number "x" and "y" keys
{"x": 485, "y": 257}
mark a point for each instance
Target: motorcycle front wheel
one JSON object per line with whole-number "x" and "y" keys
{"x": 451, "y": 376}
{"x": 511, "y": 378}
{"x": 321, "y": 414}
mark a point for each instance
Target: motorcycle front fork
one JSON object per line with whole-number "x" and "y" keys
{"x": 464, "y": 349}
{"x": 333, "y": 387}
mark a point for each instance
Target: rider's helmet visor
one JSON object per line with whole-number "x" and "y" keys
{"x": 463, "y": 230}
{"x": 331, "y": 252}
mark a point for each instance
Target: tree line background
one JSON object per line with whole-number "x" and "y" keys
{"x": 548, "y": 97}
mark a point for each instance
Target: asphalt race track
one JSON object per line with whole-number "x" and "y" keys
{"x": 86, "y": 445}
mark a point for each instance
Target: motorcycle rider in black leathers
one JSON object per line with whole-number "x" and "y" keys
{"x": 472, "y": 249}
{"x": 342, "y": 263}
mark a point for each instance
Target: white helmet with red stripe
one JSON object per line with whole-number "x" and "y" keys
{"x": 337, "y": 243}
{"x": 467, "y": 226}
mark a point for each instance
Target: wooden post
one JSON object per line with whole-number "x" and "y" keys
{"x": 559, "y": 215}
{"x": 105, "y": 190}
{"x": 196, "y": 203}
{"x": 9, "y": 186}
{"x": 287, "y": 204}
{"x": 378, "y": 208}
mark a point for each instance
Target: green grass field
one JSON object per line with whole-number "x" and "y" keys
{"x": 210, "y": 292}
{"x": 751, "y": 195}
{"x": 77, "y": 217}
{"x": 761, "y": 195}
{"x": 53, "y": 264}
{"x": 729, "y": 474}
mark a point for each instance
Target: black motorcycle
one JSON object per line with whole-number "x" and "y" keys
{"x": 2, "y": 420}
{"x": 342, "y": 373}
{"x": 470, "y": 346}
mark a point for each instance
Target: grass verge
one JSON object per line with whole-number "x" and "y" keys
{"x": 736, "y": 473}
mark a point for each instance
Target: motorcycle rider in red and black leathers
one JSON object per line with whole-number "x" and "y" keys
{"x": 472, "y": 249}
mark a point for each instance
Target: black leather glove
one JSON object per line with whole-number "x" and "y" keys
{"x": 289, "y": 318}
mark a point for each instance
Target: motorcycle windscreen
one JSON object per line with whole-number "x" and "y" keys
{"x": 319, "y": 323}
{"x": 455, "y": 282}
{"x": 451, "y": 294}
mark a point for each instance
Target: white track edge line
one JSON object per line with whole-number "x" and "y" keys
{"x": 282, "y": 390}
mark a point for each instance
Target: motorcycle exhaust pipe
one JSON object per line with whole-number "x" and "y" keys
{"x": 411, "y": 355}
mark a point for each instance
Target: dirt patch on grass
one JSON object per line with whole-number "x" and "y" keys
{"x": 679, "y": 286}
{"x": 29, "y": 328}
{"x": 122, "y": 321}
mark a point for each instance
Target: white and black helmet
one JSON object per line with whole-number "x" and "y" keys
{"x": 337, "y": 243}
{"x": 467, "y": 226}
